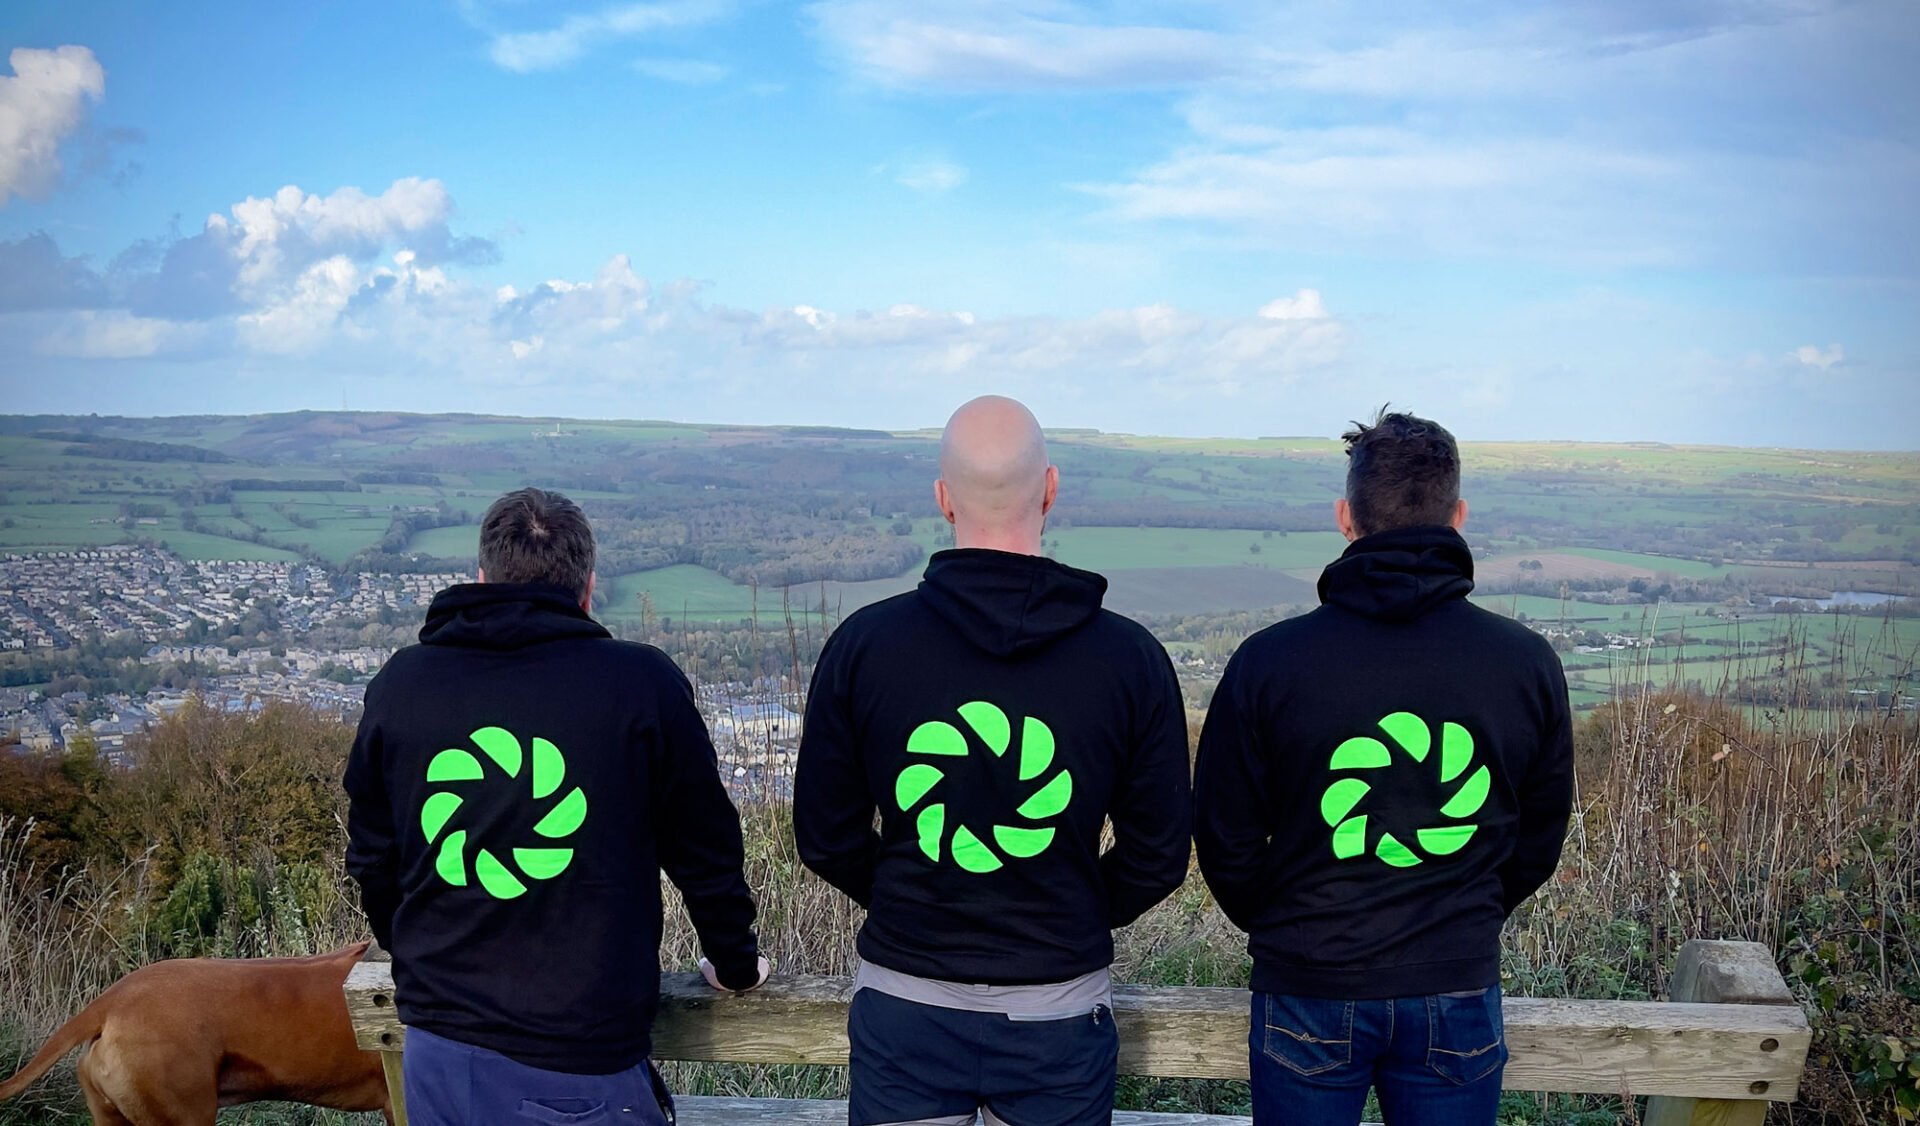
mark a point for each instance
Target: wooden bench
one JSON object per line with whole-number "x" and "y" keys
{"x": 1729, "y": 1042}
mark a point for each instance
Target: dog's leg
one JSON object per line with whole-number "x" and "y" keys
{"x": 102, "y": 1108}
{"x": 145, "y": 1081}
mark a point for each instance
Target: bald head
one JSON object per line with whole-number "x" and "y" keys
{"x": 995, "y": 483}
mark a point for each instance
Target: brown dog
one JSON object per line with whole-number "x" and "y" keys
{"x": 170, "y": 1043}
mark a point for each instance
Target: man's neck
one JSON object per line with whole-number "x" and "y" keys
{"x": 1019, "y": 541}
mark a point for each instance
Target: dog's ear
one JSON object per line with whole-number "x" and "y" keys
{"x": 358, "y": 950}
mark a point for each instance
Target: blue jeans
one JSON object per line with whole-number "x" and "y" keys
{"x": 1435, "y": 1060}
{"x": 453, "y": 1084}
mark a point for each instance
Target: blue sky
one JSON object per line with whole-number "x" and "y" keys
{"x": 1682, "y": 220}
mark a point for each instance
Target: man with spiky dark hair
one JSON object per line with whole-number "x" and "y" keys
{"x": 1380, "y": 783}
{"x": 518, "y": 783}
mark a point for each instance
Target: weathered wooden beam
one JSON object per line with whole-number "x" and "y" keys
{"x": 1732, "y": 974}
{"x": 1744, "y": 1052}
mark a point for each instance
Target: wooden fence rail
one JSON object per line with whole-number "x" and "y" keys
{"x": 1723, "y": 1051}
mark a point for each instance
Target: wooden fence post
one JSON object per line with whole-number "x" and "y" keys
{"x": 396, "y": 1089}
{"x": 1729, "y": 973}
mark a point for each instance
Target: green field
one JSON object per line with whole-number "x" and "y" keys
{"x": 687, "y": 593}
{"x": 1659, "y": 564}
{"x": 461, "y": 542}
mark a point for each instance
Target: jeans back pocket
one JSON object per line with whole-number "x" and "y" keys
{"x": 1307, "y": 1035}
{"x": 1466, "y": 1038}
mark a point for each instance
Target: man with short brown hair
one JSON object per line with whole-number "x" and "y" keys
{"x": 518, "y": 783}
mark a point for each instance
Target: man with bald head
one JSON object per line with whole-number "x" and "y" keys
{"x": 998, "y": 720}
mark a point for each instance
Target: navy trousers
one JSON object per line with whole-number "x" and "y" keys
{"x": 914, "y": 1063}
{"x": 454, "y": 1084}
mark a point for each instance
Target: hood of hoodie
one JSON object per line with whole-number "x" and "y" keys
{"x": 505, "y": 616}
{"x": 1401, "y": 574}
{"x": 1006, "y": 603}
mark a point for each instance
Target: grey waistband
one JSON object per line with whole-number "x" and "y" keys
{"x": 1053, "y": 1001}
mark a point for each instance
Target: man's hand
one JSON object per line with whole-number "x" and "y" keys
{"x": 713, "y": 979}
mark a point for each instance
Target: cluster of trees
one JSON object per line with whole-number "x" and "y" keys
{"x": 133, "y": 449}
{"x": 213, "y": 803}
{"x": 772, "y": 543}
{"x": 269, "y": 485}
{"x": 1780, "y": 590}
{"x": 398, "y": 477}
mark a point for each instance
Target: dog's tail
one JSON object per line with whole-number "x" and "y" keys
{"x": 83, "y": 1027}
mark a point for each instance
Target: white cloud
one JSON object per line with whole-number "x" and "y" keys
{"x": 331, "y": 283}
{"x": 1823, "y": 358}
{"x": 1305, "y": 305}
{"x": 930, "y": 175}
{"x": 40, "y": 105}
{"x": 113, "y": 334}
{"x": 686, "y": 72}
{"x": 1611, "y": 133}
{"x": 303, "y": 318}
{"x": 259, "y": 252}
{"x": 525, "y": 51}
{"x": 1016, "y": 45}
{"x": 282, "y": 234}
{"x": 1392, "y": 190}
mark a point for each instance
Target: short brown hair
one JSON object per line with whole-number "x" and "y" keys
{"x": 537, "y": 536}
{"x": 1402, "y": 471}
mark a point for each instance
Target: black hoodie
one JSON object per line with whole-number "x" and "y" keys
{"x": 997, "y": 717}
{"x": 1382, "y": 780}
{"x": 518, "y": 783}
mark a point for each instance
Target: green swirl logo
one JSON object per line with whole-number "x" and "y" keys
{"x": 918, "y": 781}
{"x": 457, "y": 766}
{"x": 1412, "y": 735}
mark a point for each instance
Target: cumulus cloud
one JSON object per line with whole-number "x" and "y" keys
{"x": 551, "y": 48}
{"x": 264, "y": 248}
{"x": 970, "y": 45}
{"x": 41, "y": 104}
{"x": 35, "y": 275}
{"x": 300, "y": 282}
{"x": 1823, "y": 358}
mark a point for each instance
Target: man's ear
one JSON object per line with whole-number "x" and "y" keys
{"x": 586, "y": 600}
{"x": 1343, "y": 516}
{"x": 482, "y": 573}
{"x": 1459, "y": 520}
{"x": 1052, "y": 491}
{"x": 941, "y": 498}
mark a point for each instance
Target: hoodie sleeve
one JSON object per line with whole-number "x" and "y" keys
{"x": 372, "y": 854}
{"x": 1152, "y": 809}
{"x": 1546, "y": 798}
{"x": 1233, "y": 802}
{"x": 699, "y": 838}
{"x": 833, "y": 807}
